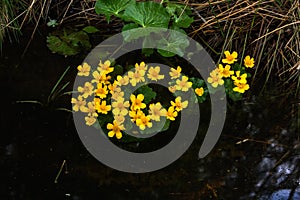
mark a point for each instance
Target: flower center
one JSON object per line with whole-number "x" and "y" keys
{"x": 137, "y": 75}
{"x": 230, "y": 57}
{"x": 116, "y": 129}
{"x": 120, "y": 105}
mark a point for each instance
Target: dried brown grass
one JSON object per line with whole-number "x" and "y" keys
{"x": 269, "y": 30}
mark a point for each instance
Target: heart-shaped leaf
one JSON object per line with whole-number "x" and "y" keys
{"x": 175, "y": 43}
{"x": 147, "y": 14}
{"x": 132, "y": 32}
{"x": 111, "y": 7}
{"x": 56, "y": 45}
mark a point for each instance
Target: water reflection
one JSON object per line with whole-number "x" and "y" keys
{"x": 257, "y": 157}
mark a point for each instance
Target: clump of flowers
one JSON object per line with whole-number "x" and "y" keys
{"x": 232, "y": 75}
{"x": 104, "y": 96}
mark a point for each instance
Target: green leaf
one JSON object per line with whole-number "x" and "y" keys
{"x": 147, "y": 14}
{"x": 183, "y": 20}
{"x": 248, "y": 75}
{"x": 132, "y": 32}
{"x": 90, "y": 29}
{"x": 176, "y": 43}
{"x": 177, "y": 9}
{"x": 147, "y": 52}
{"x": 166, "y": 125}
{"x": 197, "y": 82}
{"x": 165, "y": 53}
{"x": 79, "y": 38}
{"x": 111, "y": 7}
{"x": 68, "y": 41}
{"x": 147, "y": 41}
{"x": 129, "y": 26}
{"x": 171, "y": 9}
{"x": 228, "y": 84}
{"x": 56, "y": 45}
{"x": 235, "y": 96}
{"x": 52, "y": 23}
{"x": 148, "y": 93}
{"x": 180, "y": 14}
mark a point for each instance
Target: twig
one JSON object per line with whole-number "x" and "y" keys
{"x": 59, "y": 172}
{"x": 34, "y": 30}
{"x": 61, "y": 21}
{"x": 277, "y": 29}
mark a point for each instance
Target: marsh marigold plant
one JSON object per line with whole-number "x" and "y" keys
{"x": 103, "y": 97}
{"x": 232, "y": 74}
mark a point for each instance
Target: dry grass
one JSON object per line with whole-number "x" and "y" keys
{"x": 267, "y": 29}
{"x": 9, "y": 26}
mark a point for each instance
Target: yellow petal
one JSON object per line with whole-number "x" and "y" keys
{"x": 111, "y": 134}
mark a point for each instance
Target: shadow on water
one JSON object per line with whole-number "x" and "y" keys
{"x": 257, "y": 156}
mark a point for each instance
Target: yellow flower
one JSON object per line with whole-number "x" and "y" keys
{"x": 101, "y": 91}
{"x": 178, "y": 104}
{"x": 141, "y": 67}
{"x": 249, "y": 62}
{"x": 241, "y": 88}
{"x": 135, "y": 114}
{"x": 172, "y": 88}
{"x": 90, "y": 120}
{"x": 116, "y": 129}
{"x": 183, "y": 84}
{"x": 119, "y": 118}
{"x": 239, "y": 78}
{"x": 90, "y": 109}
{"x": 199, "y": 91}
{"x": 136, "y": 77}
{"x": 105, "y": 67}
{"x": 79, "y": 104}
{"x": 171, "y": 114}
{"x": 122, "y": 80}
{"x": 120, "y": 107}
{"x": 113, "y": 87}
{"x": 156, "y": 111}
{"x": 175, "y": 73}
{"x": 230, "y": 58}
{"x": 100, "y": 78}
{"x": 143, "y": 122}
{"x": 86, "y": 90}
{"x": 102, "y": 107}
{"x": 137, "y": 102}
{"x": 96, "y": 101}
{"x": 225, "y": 72}
{"x": 84, "y": 70}
{"x": 215, "y": 78}
{"x": 153, "y": 74}
{"x": 115, "y": 95}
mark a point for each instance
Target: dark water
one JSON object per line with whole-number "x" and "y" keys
{"x": 257, "y": 156}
